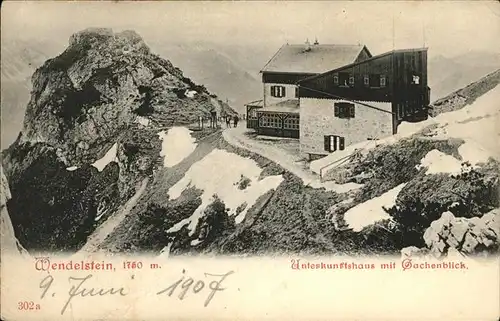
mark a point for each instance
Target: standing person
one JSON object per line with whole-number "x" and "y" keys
{"x": 236, "y": 119}
{"x": 213, "y": 120}
{"x": 228, "y": 121}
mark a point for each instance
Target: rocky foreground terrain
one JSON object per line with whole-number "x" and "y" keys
{"x": 106, "y": 161}
{"x": 99, "y": 92}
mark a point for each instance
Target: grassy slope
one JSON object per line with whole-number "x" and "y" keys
{"x": 291, "y": 219}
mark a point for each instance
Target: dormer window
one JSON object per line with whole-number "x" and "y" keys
{"x": 382, "y": 81}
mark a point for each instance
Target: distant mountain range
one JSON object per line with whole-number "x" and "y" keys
{"x": 449, "y": 74}
{"x": 229, "y": 70}
{"x": 19, "y": 60}
{"x": 223, "y": 70}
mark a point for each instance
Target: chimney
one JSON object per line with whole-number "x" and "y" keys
{"x": 316, "y": 41}
{"x": 308, "y": 45}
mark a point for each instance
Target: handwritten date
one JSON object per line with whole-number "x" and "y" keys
{"x": 197, "y": 286}
{"x": 80, "y": 288}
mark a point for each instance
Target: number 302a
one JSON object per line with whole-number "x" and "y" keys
{"x": 28, "y": 305}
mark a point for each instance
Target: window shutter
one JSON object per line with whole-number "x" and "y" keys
{"x": 273, "y": 91}
{"x": 351, "y": 111}
{"x": 327, "y": 143}
{"x": 336, "y": 110}
{"x": 333, "y": 143}
{"x": 341, "y": 143}
{"x": 283, "y": 91}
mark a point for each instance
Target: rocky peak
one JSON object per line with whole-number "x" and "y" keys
{"x": 85, "y": 98}
{"x": 104, "y": 38}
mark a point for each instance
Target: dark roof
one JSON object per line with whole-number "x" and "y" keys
{"x": 361, "y": 62}
{"x": 320, "y": 58}
{"x": 287, "y": 106}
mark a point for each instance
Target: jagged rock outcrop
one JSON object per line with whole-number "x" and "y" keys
{"x": 106, "y": 93}
{"x": 468, "y": 236}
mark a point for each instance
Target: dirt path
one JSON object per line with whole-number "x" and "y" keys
{"x": 237, "y": 138}
{"x": 100, "y": 234}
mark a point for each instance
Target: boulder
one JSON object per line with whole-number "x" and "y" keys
{"x": 469, "y": 236}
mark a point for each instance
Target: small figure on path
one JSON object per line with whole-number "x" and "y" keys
{"x": 228, "y": 121}
{"x": 213, "y": 120}
{"x": 236, "y": 119}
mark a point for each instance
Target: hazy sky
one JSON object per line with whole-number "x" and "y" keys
{"x": 447, "y": 28}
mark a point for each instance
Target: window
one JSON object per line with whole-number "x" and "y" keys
{"x": 351, "y": 80}
{"x": 334, "y": 143}
{"x": 335, "y": 79}
{"x": 297, "y": 92}
{"x": 344, "y": 110}
{"x": 278, "y": 91}
{"x": 366, "y": 80}
{"x": 382, "y": 81}
{"x": 270, "y": 120}
{"x": 344, "y": 79}
{"x": 291, "y": 122}
{"x": 415, "y": 80}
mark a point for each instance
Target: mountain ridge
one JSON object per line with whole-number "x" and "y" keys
{"x": 207, "y": 66}
{"x": 110, "y": 153}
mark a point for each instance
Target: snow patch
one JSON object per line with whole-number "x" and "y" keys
{"x": 72, "y": 168}
{"x": 142, "y": 120}
{"x": 371, "y": 211}
{"x": 474, "y": 154}
{"x": 111, "y": 156}
{"x": 165, "y": 252}
{"x": 98, "y": 217}
{"x": 218, "y": 173}
{"x": 190, "y": 93}
{"x": 177, "y": 144}
{"x": 438, "y": 162}
{"x": 195, "y": 242}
